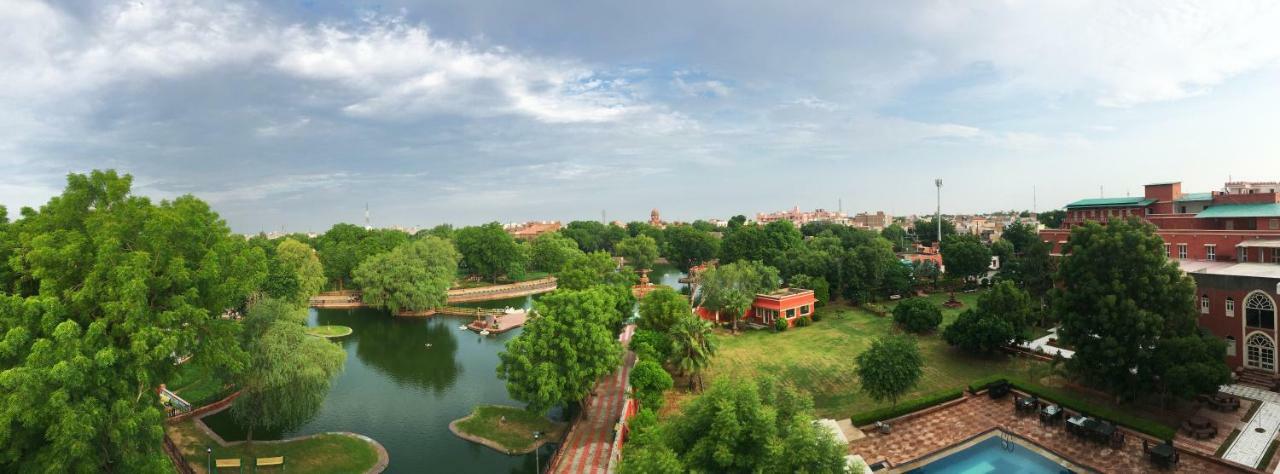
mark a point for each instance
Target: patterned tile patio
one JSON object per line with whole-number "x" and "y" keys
{"x": 928, "y": 433}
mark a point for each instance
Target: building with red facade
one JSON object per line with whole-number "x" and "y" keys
{"x": 1228, "y": 241}
{"x": 786, "y": 303}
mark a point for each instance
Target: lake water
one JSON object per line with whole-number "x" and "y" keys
{"x": 402, "y": 393}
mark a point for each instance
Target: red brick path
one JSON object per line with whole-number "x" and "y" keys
{"x": 917, "y": 437}
{"x": 589, "y": 444}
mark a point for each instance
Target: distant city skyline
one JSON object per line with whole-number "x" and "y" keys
{"x": 297, "y": 114}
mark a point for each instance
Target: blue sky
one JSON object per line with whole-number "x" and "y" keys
{"x": 295, "y": 114}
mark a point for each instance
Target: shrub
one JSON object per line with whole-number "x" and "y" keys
{"x": 905, "y": 407}
{"x": 815, "y": 316}
{"x": 804, "y": 321}
{"x": 659, "y": 344}
{"x": 975, "y": 331}
{"x": 648, "y": 381}
{"x": 1075, "y": 403}
{"x": 917, "y": 315}
{"x": 780, "y": 324}
{"x": 875, "y": 309}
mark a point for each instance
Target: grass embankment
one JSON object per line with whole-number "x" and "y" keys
{"x": 464, "y": 281}
{"x": 821, "y": 358}
{"x": 515, "y": 431}
{"x": 329, "y": 331}
{"x": 198, "y": 385}
{"x": 321, "y": 454}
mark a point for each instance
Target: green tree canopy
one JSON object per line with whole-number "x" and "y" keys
{"x": 687, "y": 246}
{"x": 896, "y": 235}
{"x": 344, "y": 246}
{"x": 821, "y": 290}
{"x": 1020, "y": 236}
{"x": 648, "y": 382}
{"x": 1003, "y": 250}
{"x": 1003, "y": 317}
{"x": 1121, "y": 299}
{"x": 890, "y": 368}
{"x": 415, "y": 276}
{"x": 640, "y": 251}
{"x": 964, "y": 255}
{"x": 1052, "y": 219}
{"x": 489, "y": 251}
{"x": 691, "y": 348}
{"x": 289, "y": 373}
{"x": 591, "y": 269}
{"x": 105, "y": 287}
{"x": 660, "y": 309}
{"x": 294, "y": 273}
{"x": 566, "y": 346}
{"x": 593, "y": 236}
{"x": 1032, "y": 270}
{"x": 926, "y": 231}
{"x": 728, "y": 290}
{"x": 917, "y": 315}
{"x": 550, "y": 252}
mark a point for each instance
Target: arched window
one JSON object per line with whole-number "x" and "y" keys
{"x": 1260, "y": 312}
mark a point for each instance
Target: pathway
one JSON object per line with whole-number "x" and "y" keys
{"x": 1251, "y": 444}
{"x": 1042, "y": 345}
{"x": 589, "y": 445}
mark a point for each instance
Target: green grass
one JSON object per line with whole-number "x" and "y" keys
{"x": 198, "y": 385}
{"x": 515, "y": 431}
{"x": 821, "y": 359}
{"x": 322, "y": 455}
{"x": 329, "y": 331}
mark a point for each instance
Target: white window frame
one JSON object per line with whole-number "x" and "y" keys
{"x": 1231, "y": 346}
{"x": 1168, "y": 251}
{"x": 1182, "y": 251}
{"x": 1204, "y": 304}
{"x": 1210, "y": 252}
{"x": 1231, "y": 307}
{"x": 1244, "y": 254}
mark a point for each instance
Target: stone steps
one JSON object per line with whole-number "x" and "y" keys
{"x": 1257, "y": 378}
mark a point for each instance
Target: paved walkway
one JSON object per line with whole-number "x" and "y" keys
{"x": 589, "y": 445}
{"x": 1251, "y": 444}
{"x": 917, "y": 437}
{"x": 1042, "y": 345}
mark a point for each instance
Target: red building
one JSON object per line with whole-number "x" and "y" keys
{"x": 1228, "y": 241}
{"x": 787, "y": 303}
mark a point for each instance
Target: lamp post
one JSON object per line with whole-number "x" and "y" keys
{"x": 937, "y": 216}
{"x": 208, "y": 459}
{"x": 537, "y": 463}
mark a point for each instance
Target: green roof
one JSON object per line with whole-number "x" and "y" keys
{"x": 1111, "y": 202}
{"x": 1266, "y": 209}
{"x": 1195, "y": 197}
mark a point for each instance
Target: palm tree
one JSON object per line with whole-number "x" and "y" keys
{"x": 692, "y": 348}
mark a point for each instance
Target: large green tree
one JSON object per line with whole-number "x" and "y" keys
{"x": 917, "y": 315}
{"x": 1032, "y": 270}
{"x": 1052, "y": 219}
{"x": 890, "y": 368}
{"x": 691, "y": 348}
{"x": 1121, "y": 301}
{"x": 289, "y": 372}
{"x": 660, "y": 309}
{"x": 728, "y": 290}
{"x": 639, "y": 251}
{"x": 926, "y": 231}
{"x": 591, "y": 269}
{"x": 1003, "y": 317}
{"x": 566, "y": 346}
{"x": 550, "y": 252}
{"x": 896, "y": 235}
{"x": 103, "y": 288}
{"x": 414, "y": 276}
{"x": 593, "y": 236}
{"x": 1020, "y": 236}
{"x": 687, "y": 246}
{"x": 294, "y": 273}
{"x": 965, "y": 256}
{"x": 489, "y": 251}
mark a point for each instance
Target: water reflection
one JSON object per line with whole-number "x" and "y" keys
{"x": 406, "y": 350}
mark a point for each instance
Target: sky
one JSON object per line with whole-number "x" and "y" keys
{"x": 295, "y": 115}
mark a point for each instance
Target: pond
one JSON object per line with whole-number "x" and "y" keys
{"x": 406, "y": 379}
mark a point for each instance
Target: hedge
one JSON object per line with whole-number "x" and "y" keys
{"x": 1072, "y": 402}
{"x": 915, "y": 404}
{"x": 1266, "y": 458}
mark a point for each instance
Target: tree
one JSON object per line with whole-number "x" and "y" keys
{"x": 593, "y": 236}
{"x": 415, "y": 276}
{"x": 730, "y": 289}
{"x": 965, "y": 256}
{"x": 105, "y": 287}
{"x": 640, "y": 251}
{"x": 591, "y": 269}
{"x": 1002, "y": 250}
{"x": 1121, "y": 297}
{"x": 890, "y": 368}
{"x": 736, "y": 221}
{"x": 660, "y": 309}
{"x": 1052, "y": 219}
{"x": 927, "y": 230}
{"x": 648, "y": 382}
{"x": 867, "y": 266}
{"x": 289, "y": 372}
{"x": 926, "y": 270}
{"x": 1188, "y": 366}
{"x": 1020, "y": 236}
{"x": 896, "y": 235}
{"x": 687, "y": 246}
{"x": 339, "y": 249}
{"x": 1003, "y": 317}
{"x": 917, "y": 315}
{"x": 1032, "y": 270}
{"x": 294, "y": 273}
{"x": 550, "y": 252}
{"x": 443, "y": 231}
{"x": 821, "y": 290}
{"x": 489, "y": 251}
{"x": 691, "y": 348}
{"x": 566, "y": 346}
{"x": 704, "y": 226}
{"x": 746, "y": 243}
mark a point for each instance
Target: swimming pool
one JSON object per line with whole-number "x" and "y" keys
{"x": 991, "y": 453}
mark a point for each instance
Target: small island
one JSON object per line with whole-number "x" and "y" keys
{"x": 507, "y": 429}
{"x": 329, "y": 331}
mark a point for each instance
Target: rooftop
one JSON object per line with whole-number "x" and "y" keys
{"x": 785, "y": 292}
{"x": 1261, "y": 270}
{"x": 1186, "y": 197}
{"x": 1268, "y": 209}
{"x": 1111, "y": 202}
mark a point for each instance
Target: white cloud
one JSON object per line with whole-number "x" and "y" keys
{"x": 1118, "y": 53}
{"x": 698, "y": 88}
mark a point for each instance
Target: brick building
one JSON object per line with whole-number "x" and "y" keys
{"x": 1228, "y": 241}
{"x": 786, "y": 303}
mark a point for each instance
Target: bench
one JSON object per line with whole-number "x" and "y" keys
{"x": 268, "y": 462}
{"x": 227, "y": 463}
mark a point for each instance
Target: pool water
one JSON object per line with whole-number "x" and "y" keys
{"x": 990, "y": 455}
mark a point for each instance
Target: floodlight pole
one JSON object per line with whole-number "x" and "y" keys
{"x": 938, "y": 214}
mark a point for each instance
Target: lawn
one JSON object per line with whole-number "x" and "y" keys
{"x": 821, "y": 358}
{"x": 329, "y": 331}
{"x": 198, "y": 385}
{"x": 322, "y": 454}
{"x": 510, "y": 427}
